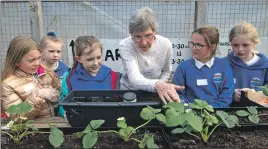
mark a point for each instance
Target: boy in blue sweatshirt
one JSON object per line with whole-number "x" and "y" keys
{"x": 250, "y": 68}
{"x": 88, "y": 73}
{"x": 205, "y": 76}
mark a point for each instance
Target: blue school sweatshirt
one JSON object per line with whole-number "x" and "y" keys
{"x": 214, "y": 85}
{"x": 61, "y": 69}
{"x": 249, "y": 76}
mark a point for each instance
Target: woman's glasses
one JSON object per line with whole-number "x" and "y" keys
{"x": 197, "y": 46}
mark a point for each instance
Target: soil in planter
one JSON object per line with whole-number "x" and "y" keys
{"x": 105, "y": 141}
{"x": 223, "y": 139}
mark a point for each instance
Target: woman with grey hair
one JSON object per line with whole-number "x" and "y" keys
{"x": 146, "y": 58}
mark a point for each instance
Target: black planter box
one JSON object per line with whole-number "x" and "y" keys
{"x": 83, "y": 106}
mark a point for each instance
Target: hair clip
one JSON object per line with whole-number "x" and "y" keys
{"x": 53, "y": 34}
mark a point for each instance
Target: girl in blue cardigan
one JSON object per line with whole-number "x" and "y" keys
{"x": 205, "y": 76}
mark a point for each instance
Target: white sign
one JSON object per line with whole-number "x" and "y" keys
{"x": 181, "y": 51}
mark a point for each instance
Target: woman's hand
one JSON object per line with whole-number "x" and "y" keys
{"x": 167, "y": 91}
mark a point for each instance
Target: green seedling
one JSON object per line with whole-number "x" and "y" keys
{"x": 251, "y": 113}
{"x": 90, "y": 134}
{"x": 198, "y": 119}
{"x": 19, "y": 129}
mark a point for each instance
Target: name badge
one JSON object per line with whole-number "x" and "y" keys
{"x": 28, "y": 87}
{"x": 201, "y": 82}
{"x": 234, "y": 80}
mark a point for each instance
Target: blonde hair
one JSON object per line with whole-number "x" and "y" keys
{"x": 47, "y": 38}
{"x": 210, "y": 34}
{"x": 83, "y": 42}
{"x": 246, "y": 29}
{"x": 18, "y": 47}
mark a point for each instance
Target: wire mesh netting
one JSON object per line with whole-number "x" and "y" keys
{"x": 109, "y": 19}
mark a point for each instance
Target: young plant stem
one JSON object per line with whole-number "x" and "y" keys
{"x": 24, "y": 132}
{"x": 193, "y": 135}
{"x": 135, "y": 140}
{"x": 263, "y": 114}
{"x": 7, "y": 134}
{"x": 111, "y": 131}
{"x": 143, "y": 124}
{"x": 140, "y": 127}
{"x": 213, "y": 129}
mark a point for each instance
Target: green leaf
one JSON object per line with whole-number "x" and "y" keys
{"x": 161, "y": 118}
{"x": 242, "y": 113}
{"x": 21, "y": 108}
{"x": 79, "y": 134}
{"x": 254, "y": 119}
{"x": 195, "y": 106}
{"x": 96, "y": 123}
{"x": 204, "y": 134}
{"x": 154, "y": 110}
{"x": 209, "y": 123}
{"x": 174, "y": 119}
{"x": 252, "y": 110}
{"x": 122, "y": 124}
{"x": 214, "y": 119}
{"x": 209, "y": 108}
{"x": 149, "y": 141}
{"x": 201, "y": 103}
{"x": 194, "y": 121}
{"x": 178, "y": 106}
{"x": 232, "y": 118}
{"x": 147, "y": 114}
{"x": 189, "y": 129}
{"x": 143, "y": 141}
{"x": 125, "y": 132}
{"x": 177, "y": 130}
{"x": 56, "y": 137}
{"x": 230, "y": 121}
{"x": 90, "y": 139}
{"x": 142, "y": 145}
{"x": 151, "y": 145}
{"x": 223, "y": 115}
{"x": 88, "y": 129}
{"x": 229, "y": 124}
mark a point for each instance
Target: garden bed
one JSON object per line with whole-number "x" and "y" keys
{"x": 237, "y": 138}
{"x": 105, "y": 141}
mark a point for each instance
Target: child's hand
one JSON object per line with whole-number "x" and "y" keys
{"x": 50, "y": 94}
{"x": 237, "y": 95}
{"x": 37, "y": 101}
